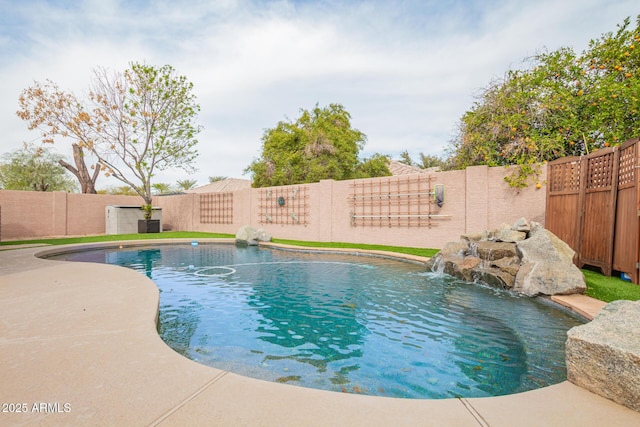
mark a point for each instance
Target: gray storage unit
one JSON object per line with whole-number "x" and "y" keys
{"x": 124, "y": 219}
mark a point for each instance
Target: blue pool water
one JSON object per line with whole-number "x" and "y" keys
{"x": 347, "y": 323}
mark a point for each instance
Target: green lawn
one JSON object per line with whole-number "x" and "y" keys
{"x": 598, "y": 286}
{"x": 609, "y": 289}
{"x": 113, "y": 237}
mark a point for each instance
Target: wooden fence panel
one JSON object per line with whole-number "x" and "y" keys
{"x": 595, "y": 246}
{"x": 625, "y": 250}
{"x": 598, "y": 212}
{"x": 593, "y": 204}
{"x": 563, "y": 200}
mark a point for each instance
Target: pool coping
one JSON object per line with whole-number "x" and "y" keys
{"x": 76, "y": 354}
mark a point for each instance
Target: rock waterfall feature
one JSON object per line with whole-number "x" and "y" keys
{"x": 523, "y": 257}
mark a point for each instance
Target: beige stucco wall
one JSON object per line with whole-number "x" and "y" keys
{"x": 179, "y": 211}
{"x": 31, "y": 214}
{"x": 507, "y": 204}
{"x": 85, "y": 213}
{"x": 26, "y": 214}
{"x": 441, "y": 231}
{"x": 476, "y": 199}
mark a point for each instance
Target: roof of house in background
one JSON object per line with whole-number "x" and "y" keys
{"x": 224, "y": 185}
{"x": 398, "y": 168}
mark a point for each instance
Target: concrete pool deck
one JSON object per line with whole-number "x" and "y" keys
{"x": 79, "y": 346}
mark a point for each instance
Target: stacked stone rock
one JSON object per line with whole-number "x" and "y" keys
{"x": 523, "y": 257}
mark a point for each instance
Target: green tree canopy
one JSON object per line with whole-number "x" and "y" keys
{"x": 426, "y": 161}
{"x": 34, "y": 169}
{"x": 405, "y": 158}
{"x": 562, "y": 104}
{"x": 320, "y": 144}
{"x": 376, "y": 165}
{"x": 431, "y": 161}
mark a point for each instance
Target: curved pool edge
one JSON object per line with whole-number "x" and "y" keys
{"x": 66, "y": 340}
{"x": 43, "y": 251}
{"x": 352, "y": 251}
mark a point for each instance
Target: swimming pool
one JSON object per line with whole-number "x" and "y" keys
{"x": 347, "y": 323}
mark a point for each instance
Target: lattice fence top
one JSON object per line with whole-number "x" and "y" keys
{"x": 564, "y": 176}
{"x": 600, "y": 171}
{"x": 627, "y": 171}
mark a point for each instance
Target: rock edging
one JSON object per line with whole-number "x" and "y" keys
{"x": 603, "y": 356}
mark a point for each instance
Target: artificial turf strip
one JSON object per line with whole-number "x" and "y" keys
{"x": 609, "y": 289}
{"x": 114, "y": 237}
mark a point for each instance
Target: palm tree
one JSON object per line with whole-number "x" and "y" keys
{"x": 161, "y": 187}
{"x": 186, "y": 184}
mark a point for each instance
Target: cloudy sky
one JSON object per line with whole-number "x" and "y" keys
{"x": 405, "y": 70}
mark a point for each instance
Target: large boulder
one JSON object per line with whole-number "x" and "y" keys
{"x": 547, "y": 266}
{"x": 247, "y": 235}
{"x": 603, "y": 356}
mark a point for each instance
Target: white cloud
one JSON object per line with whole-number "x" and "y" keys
{"x": 406, "y": 71}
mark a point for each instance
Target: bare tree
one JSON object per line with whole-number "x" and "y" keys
{"x": 59, "y": 114}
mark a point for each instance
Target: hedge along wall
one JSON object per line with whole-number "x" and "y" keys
{"x": 390, "y": 210}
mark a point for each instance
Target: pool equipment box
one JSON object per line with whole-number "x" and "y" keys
{"x": 124, "y": 219}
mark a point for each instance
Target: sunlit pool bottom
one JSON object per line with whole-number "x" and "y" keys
{"x": 348, "y": 323}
